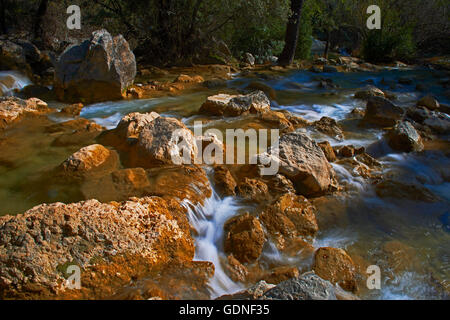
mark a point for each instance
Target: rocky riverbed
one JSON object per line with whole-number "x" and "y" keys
{"x": 363, "y": 180}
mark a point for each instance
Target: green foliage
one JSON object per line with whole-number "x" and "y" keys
{"x": 306, "y": 29}
{"x": 258, "y": 28}
{"x": 380, "y": 46}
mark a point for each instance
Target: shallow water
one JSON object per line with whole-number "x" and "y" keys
{"x": 358, "y": 220}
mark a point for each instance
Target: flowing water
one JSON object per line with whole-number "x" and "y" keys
{"x": 359, "y": 221}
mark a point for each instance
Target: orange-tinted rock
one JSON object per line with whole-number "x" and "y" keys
{"x": 235, "y": 105}
{"x": 304, "y": 163}
{"x": 336, "y": 266}
{"x": 330, "y": 127}
{"x": 237, "y": 271}
{"x": 382, "y": 112}
{"x": 89, "y": 161}
{"x": 74, "y": 109}
{"x": 183, "y": 78}
{"x": 328, "y": 151}
{"x": 277, "y": 120}
{"x": 244, "y": 238}
{"x": 14, "y": 109}
{"x": 74, "y": 132}
{"x": 253, "y": 189}
{"x": 280, "y": 274}
{"x": 347, "y": 151}
{"x": 132, "y": 124}
{"x": 404, "y": 190}
{"x": 261, "y": 86}
{"x": 111, "y": 242}
{"x": 291, "y": 216}
{"x": 224, "y": 181}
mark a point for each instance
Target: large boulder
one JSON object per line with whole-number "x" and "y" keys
{"x": 112, "y": 243}
{"x": 244, "y": 238}
{"x": 12, "y": 57}
{"x": 14, "y": 109}
{"x": 403, "y": 137}
{"x": 98, "y": 69}
{"x": 165, "y": 141}
{"x": 235, "y": 105}
{"x": 382, "y": 112}
{"x": 302, "y": 160}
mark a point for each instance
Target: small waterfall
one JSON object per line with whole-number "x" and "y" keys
{"x": 11, "y": 80}
{"x": 208, "y": 220}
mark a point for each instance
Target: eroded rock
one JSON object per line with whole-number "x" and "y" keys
{"x": 99, "y": 69}
{"x": 51, "y": 237}
{"x": 403, "y": 137}
{"x": 14, "y": 109}
{"x": 244, "y": 238}
{"x": 336, "y": 266}
{"x": 304, "y": 163}
{"x": 235, "y": 105}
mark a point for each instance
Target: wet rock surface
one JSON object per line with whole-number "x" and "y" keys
{"x": 304, "y": 163}
{"x": 38, "y": 245}
{"x": 404, "y": 137}
{"x": 229, "y": 105}
{"x": 244, "y": 238}
{"x": 336, "y": 266}
{"x": 14, "y": 109}
{"x": 382, "y": 112}
{"x": 99, "y": 69}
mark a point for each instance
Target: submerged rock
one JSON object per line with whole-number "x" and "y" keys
{"x": 403, "y": 137}
{"x": 244, "y": 238}
{"x": 235, "y": 105}
{"x": 336, "y": 266}
{"x": 99, "y": 69}
{"x": 382, "y": 112}
{"x": 304, "y": 163}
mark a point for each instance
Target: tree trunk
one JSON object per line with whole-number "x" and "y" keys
{"x": 327, "y": 46}
{"x": 292, "y": 31}
{"x": 3, "y": 16}
{"x": 42, "y": 10}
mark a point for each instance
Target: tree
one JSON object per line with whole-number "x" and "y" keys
{"x": 42, "y": 10}
{"x": 292, "y": 31}
{"x": 3, "y": 28}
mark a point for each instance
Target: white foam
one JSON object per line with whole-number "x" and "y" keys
{"x": 208, "y": 220}
{"x": 20, "y": 82}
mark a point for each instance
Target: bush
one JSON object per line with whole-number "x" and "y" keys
{"x": 379, "y": 46}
